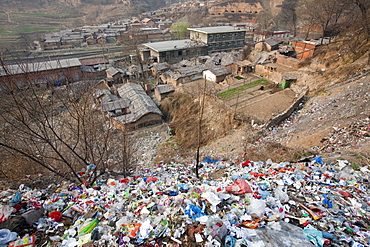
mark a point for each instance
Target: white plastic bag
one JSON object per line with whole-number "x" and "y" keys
{"x": 257, "y": 207}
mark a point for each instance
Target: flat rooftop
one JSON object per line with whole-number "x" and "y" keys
{"x": 217, "y": 29}
{"x": 173, "y": 45}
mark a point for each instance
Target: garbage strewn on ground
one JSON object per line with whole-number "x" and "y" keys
{"x": 253, "y": 204}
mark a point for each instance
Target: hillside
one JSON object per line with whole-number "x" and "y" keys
{"x": 334, "y": 121}
{"x": 25, "y": 21}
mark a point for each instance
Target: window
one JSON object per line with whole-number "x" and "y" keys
{"x": 179, "y": 53}
{"x": 218, "y": 36}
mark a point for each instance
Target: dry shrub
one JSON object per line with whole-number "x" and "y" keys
{"x": 185, "y": 114}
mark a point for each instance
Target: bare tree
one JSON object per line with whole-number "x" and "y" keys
{"x": 57, "y": 129}
{"x": 364, "y": 6}
{"x": 325, "y": 13}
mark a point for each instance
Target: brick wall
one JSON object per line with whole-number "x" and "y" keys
{"x": 71, "y": 74}
{"x": 289, "y": 61}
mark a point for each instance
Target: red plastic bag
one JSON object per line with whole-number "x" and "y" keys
{"x": 247, "y": 163}
{"x": 56, "y": 215}
{"x": 239, "y": 187}
{"x": 151, "y": 179}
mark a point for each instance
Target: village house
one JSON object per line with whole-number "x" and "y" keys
{"x": 304, "y": 49}
{"x": 241, "y": 67}
{"x": 72, "y": 40}
{"x": 156, "y": 34}
{"x": 164, "y": 24}
{"x": 115, "y": 73}
{"x": 241, "y": 8}
{"x": 216, "y": 74}
{"x": 159, "y": 68}
{"x": 51, "y": 43}
{"x": 269, "y": 44}
{"x": 260, "y": 35}
{"x": 219, "y": 38}
{"x": 42, "y": 74}
{"x": 163, "y": 91}
{"x": 275, "y": 72}
{"x": 142, "y": 110}
{"x": 173, "y": 51}
{"x": 148, "y": 22}
{"x": 183, "y": 75}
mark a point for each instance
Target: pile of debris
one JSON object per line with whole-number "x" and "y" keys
{"x": 351, "y": 136}
{"x": 254, "y": 204}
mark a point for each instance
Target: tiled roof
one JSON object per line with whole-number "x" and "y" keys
{"x": 39, "y": 66}
{"x": 141, "y": 103}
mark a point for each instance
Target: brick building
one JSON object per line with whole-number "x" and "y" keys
{"x": 43, "y": 74}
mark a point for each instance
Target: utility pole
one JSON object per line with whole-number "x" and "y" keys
{"x": 201, "y": 106}
{"x": 236, "y": 105}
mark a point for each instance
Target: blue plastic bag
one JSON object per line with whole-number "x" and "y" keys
{"x": 194, "y": 212}
{"x": 229, "y": 241}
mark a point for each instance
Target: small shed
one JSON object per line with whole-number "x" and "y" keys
{"x": 241, "y": 67}
{"x": 159, "y": 68}
{"x": 114, "y": 73}
{"x": 163, "y": 91}
{"x": 216, "y": 74}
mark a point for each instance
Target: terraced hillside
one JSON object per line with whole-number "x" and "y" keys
{"x": 24, "y": 21}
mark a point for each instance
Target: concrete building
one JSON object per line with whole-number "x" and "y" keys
{"x": 173, "y": 51}
{"x": 219, "y": 38}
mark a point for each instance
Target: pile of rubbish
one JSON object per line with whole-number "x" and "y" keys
{"x": 349, "y": 136}
{"x": 252, "y": 204}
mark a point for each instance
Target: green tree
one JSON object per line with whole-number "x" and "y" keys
{"x": 180, "y": 29}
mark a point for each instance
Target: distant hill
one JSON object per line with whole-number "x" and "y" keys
{"x": 22, "y": 21}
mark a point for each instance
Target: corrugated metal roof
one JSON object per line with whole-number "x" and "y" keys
{"x": 217, "y": 29}
{"x": 141, "y": 103}
{"x": 173, "y": 45}
{"x": 40, "y": 66}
